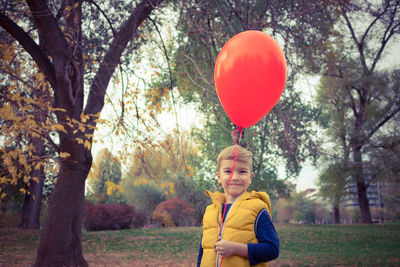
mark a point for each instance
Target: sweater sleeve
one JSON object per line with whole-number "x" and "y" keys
{"x": 268, "y": 247}
{"x": 200, "y": 256}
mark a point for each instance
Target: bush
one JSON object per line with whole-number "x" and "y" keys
{"x": 144, "y": 197}
{"x": 109, "y": 217}
{"x": 139, "y": 219}
{"x": 173, "y": 212}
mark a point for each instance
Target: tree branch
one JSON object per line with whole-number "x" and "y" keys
{"x": 360, "y": 45}
{"x": 373, "y": 22}
{"x": 385, "y": 38}
{"x": 380, "y": 124}
{"x": 44, "y": 64}
{"x": 104, "y": 14}
{"x": 99, "y": 85}
{"x": 47, "y": 24}
{"x": 353, "y": 104}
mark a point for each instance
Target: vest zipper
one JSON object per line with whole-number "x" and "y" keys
{"x": 223, "y": 226}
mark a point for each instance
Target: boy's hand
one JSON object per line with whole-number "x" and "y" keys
{"x": 226, "y": 248}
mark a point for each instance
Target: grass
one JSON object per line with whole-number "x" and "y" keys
{"x": 301, "y": 245}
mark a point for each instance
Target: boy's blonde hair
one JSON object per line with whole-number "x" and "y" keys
{"x": 244, "y": 155}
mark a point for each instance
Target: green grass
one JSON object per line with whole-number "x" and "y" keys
{"x": 356, "y": 245}
{"x": 301, "y": 245}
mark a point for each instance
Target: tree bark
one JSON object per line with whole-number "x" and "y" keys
{"x": 30, "y": 218}
{"x": 60, "y": 241}
{"x": 365, "y": 211}
{"x": 336, "y": 213}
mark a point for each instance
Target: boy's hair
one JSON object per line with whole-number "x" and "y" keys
{"x": 244, "y": 155}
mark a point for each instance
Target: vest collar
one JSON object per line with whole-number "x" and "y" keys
{"x": 219, "y": 197}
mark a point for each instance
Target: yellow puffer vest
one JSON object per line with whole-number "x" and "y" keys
{"x": 239, "y": 225}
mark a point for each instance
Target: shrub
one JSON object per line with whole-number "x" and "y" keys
{"x": 173, "y": 212}
{"x": 108, "y": 216}
{"x": 144, "y": 197}
{"x": 139, "y": 219}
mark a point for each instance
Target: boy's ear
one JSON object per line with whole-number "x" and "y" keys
{"x": 219, "y": 177}
{"x": 251, "y": 176}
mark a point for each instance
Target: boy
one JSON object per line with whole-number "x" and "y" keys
{"x": 248, "y": 237}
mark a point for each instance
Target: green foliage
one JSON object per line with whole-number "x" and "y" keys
{"x": 144, "y": 197}
{"x": 301, "y": 207}
{"x": 106, "y": 168}
{"x": 194, "y": 194}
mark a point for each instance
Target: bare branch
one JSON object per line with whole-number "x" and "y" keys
{"x": 111, "y": 59}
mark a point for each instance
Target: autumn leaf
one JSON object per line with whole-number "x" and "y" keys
{"x": 87, "y": 144}
{"x": 58, "y": 127}
{"x": 7, "y": 112}
{"x": 64, "y": 155}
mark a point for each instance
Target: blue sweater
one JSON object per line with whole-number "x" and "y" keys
{"x": 268, "y": 247}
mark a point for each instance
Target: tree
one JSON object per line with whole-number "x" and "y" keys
{"x": 335, "y": 161}
{"x": 369, "y": 93}
{"x": 106, "y": 169}
{"x": 62, "y": 62}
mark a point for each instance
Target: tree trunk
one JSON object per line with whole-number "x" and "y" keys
{"x": 32, "y": 204}
{"x": 336, "y": 213}
{"x": 60, "y": 242}
{"x": 30, "y": 218}
{"x": 365, "y": 212}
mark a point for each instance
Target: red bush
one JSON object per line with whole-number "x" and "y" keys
{"x": 109, "y": 217}
{"x": 173, "y": 212}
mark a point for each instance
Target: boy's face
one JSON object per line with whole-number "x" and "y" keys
{"x": 241, "y": 178}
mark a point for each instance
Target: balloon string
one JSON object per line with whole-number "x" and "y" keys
{"x": 235, "y": 153}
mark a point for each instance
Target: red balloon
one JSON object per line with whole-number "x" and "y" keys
{"x": 250, "y": 75}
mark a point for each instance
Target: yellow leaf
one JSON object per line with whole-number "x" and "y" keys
{"x": 64, "y": 155}
{"x": 79, "y": 140}
{"x": 82, "y": 128}
{"x": 59, "y": 127}
{"x": 84, "y": 117}
{"x": 110, "y": 187}
{"x": 7, "y": 112}
{"x": 87, "y": 144}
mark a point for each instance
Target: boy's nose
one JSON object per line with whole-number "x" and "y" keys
{"x": 235, "y": 175}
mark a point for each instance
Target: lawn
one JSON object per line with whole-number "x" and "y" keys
{"x": 301, "y": 245}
